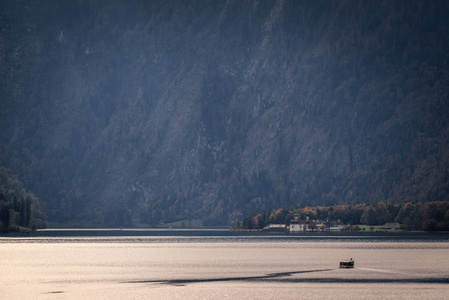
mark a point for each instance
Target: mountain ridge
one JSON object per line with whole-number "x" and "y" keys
{"x": 144, "y": 112}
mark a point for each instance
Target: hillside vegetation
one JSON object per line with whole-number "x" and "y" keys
{"x": 19, "y": 209}
{"x": 133, "y": 113}
{"x": 427, "y": 216}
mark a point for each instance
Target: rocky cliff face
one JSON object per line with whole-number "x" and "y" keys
{"x": 141, "y": 112}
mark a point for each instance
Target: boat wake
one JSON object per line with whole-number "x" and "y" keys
{"x": 249, "y": 278}
{"x": 382, "y": 271}
{"x": 286, "y": 277}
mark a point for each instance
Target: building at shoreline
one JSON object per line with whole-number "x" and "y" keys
{"x": 275, "y": 228}
{"x": 298, "y": 225}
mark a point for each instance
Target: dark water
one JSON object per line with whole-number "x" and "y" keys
{"x": 144, "y": 264}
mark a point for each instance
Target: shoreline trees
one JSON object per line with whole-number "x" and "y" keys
{"x": 427, "y": 216}
{"x": 19, "y": 209}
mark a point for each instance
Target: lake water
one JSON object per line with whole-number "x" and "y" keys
{"x": 222, "y": 265}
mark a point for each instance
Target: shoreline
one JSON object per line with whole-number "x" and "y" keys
{"x": 217, "y": 232}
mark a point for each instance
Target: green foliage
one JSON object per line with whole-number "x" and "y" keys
{"x": 19, "y": 209}
{"x": 427, "y": 216}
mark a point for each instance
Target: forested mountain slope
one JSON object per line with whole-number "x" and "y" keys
{"x": 120, "y": 113}
{"x": 19, "y": 209}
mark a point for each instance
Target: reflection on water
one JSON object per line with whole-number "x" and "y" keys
{"x": 222, "y": 265}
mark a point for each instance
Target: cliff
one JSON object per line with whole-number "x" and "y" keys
{"x": 139, "y": 112}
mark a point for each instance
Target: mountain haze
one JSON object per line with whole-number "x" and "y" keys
{"x": 133, "y": 113}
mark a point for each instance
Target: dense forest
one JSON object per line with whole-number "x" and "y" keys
{"x": 143, "y": 112}
{"x": 427, "y": 216}
{"x": 19, "y": 209}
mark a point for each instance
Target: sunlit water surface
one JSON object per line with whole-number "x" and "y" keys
{"x": 222, "y": 267}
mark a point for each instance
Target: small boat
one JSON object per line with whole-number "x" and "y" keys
{"x": 347, "y": 264}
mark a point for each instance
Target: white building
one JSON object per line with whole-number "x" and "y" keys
{"x": 275, "y": 227}
{"x": 297, "y": 225}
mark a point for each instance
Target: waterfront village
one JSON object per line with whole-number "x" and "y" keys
{"x": 304, "y": 225}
